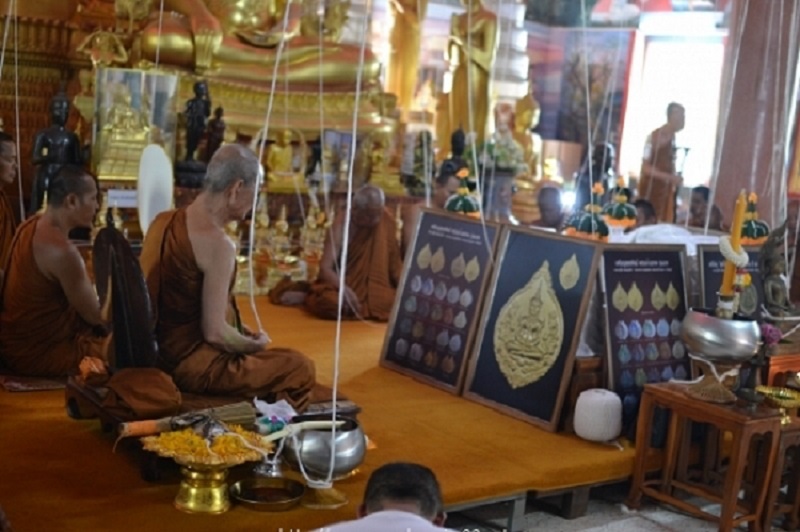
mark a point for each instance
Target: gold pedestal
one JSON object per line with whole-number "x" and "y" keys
{"x": 281, "y": 182}
{"x": 203, "y": 490}
{"x": 389, "y": 183}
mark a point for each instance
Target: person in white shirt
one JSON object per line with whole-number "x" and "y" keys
{"x": 400, "y": 497}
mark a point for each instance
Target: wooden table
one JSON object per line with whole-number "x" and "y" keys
{"x": 790, "y": 507}
{"x": 740, "y": 422}
{"x": 780, "y": 364}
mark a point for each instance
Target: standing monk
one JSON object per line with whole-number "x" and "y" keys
{"x": 189, "y": 264}
{"x": 50, "y": 317}
{"x": 8, "y": 222}
{"x": 659, "y": 182}
{"x": 373, "y": 263}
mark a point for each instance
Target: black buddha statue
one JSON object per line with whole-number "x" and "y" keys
{"x": 53, "y": 147}
{"x": 216, "y": 133}
{"x": 190, "y": 172}
{"x": 198, "y": 109}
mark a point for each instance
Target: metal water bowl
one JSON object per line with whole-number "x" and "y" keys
{"x": 720, "y": 340}
{"x": 314, "y": 447}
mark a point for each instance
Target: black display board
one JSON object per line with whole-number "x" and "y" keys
{"x": 439, "y": 300}
{"x": 712, "y": 267}
{"x": 645, "y": 297}
{"x": 535, "y": 307}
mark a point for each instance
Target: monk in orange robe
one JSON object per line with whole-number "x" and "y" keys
{"x": 8, "y": 172}
{"x": 51, "y": 316}
{"x": 659, "y": 182}
{"x": 189, "y": 264}
{"x": 373, "y": 263}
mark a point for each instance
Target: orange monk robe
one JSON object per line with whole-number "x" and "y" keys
{"x": 175, "y": 284}
{"x": 660, "y": 153}
{"x": 41, "y": 334}
{"x": 8, "y": 225}
{"x": 373, "y": 271}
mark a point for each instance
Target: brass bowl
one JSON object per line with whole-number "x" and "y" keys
{"x": 268, "y": 494}
{"x": 780, "y": 398}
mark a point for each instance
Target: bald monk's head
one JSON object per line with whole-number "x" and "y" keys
{"x": 232, "y": 175}
{"x": 72, "y": 196}
{"x": 368, "y": 203}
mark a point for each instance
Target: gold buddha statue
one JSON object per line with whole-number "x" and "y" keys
{"x": 125, "y": 134}
{"x": 404, "y": 39}
{"x": 526, "y": 117}
{"x": 280, "y": 155}
{"x": 103, "y": 48}
{"x": 471, "y": 51}
{"x": 237, "y": 40}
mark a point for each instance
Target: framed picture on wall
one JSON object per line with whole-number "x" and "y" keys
{"x": 536, "y": 305}
{"x": 712, "y": 267}
{"x": 438, "y": 304}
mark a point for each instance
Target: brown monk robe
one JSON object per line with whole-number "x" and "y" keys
{"x": 8, "y": 172}
{"x": 192, "y": 348}
{"x": 658, "y": 182}
{"x": 50, "y": 317}
{"x": 373, "y": 263}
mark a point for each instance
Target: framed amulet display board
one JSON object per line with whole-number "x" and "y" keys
{"x": 439, "y": 300}
{"x": 535, "y": 307}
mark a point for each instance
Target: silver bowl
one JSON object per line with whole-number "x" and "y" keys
{"x": 719, "y": 340}
{"x": 314, "y": 447}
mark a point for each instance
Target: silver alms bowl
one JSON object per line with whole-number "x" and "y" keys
{"x": 719, "y": 340}
{"x": 314, "y": 447}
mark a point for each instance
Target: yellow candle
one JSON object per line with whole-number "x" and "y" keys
{"x": 736, "y": 243}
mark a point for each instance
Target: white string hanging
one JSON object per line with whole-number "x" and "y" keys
{"x": 327, "y": 483}
{"x": 160, "y": 28}
{"x": 588, "y": 95}
{"x": 16, "y": 108}
{"x": 259, "y": 179}
{"x": 323, "y": 168}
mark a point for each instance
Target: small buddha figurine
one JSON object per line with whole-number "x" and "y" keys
{"x": 53, "y": 147}
{"x": 216, "y": 133}
{"x": 198, "y": 109}
{"x": 280, "y": 243}
{"x": 312, "y": 240}
{"x": 527, "y": 113}
{"x": 262, "y": 240}
{"x": 772, "y": 266}
{"x": 280, "y": 154}
{"x": 377, "y": 158}
{"x": 104, "y": 49}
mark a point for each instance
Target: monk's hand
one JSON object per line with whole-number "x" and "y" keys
{"x": 261, "y": 339}
{"x": 352, "y": 299}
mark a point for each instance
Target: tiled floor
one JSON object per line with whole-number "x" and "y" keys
{"x": 606, "y": 513}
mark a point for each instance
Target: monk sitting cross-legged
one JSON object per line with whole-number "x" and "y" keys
{"x": 8, "y": 172}
{"x": 189, "y": 264}
{"x": 51, "y": 316}
{"x": 373, "y": 263}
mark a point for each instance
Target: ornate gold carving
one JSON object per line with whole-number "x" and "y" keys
{"x": 635, "y": 298}
{"x": 457, "y": 266}
{"x": 673, "y": 297}
{"x": 619, "y": 298}
{"x": 658, "y": 298}
{"x": 570, "y": 273}
{"x": 529, "y": 331}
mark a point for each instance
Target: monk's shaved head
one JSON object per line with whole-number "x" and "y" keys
{"x": 369, "y": 196}
{"x": 368, "y": 203}
{"x": 232, "y": 163}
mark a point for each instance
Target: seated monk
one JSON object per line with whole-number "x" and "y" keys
{"x": 445, "y": 185}
{"x": 189, "y": 264}
{"x": 8, "y": 172}
{"x": 51, "y": 316}
{"x": 373, "y": 263}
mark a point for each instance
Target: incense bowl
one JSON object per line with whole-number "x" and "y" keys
{"x": 720, "y": 340}
{"x": 313, "y": 447}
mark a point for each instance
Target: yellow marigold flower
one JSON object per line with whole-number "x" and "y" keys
{"x": 753, "y": 197}
{"x": 597, "y": 188}
{"x": 463, "y": 173}
{"x": 621, "y": 182}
